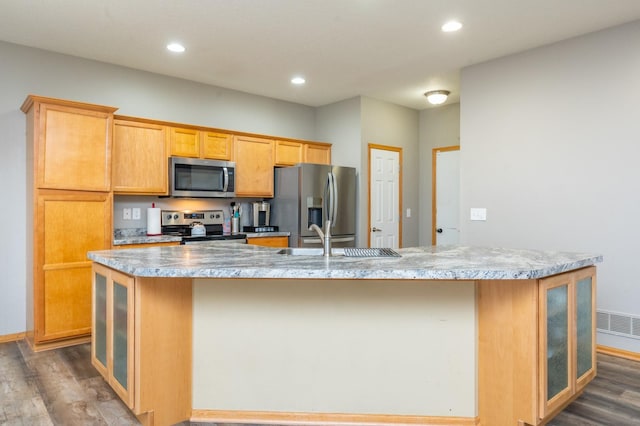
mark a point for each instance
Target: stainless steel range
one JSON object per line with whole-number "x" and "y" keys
{"x": 197, "y": 226}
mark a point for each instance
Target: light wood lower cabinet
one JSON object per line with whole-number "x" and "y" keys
{"x": 567, "y": 337}
{"x": 69, "y": 224}
{"x": 536, "y": 346}
{"x": 142, "y": 342}
{"x": 282, "y": 241}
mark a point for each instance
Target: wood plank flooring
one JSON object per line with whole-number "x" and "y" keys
{"x": 60, "y": 387}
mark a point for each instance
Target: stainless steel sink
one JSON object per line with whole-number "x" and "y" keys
{"x": 309, "y": 251}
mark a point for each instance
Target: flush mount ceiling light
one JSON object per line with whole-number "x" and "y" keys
{"x": 451, "y": 26}
{"x": 437, "y": 97}
{"x": 175, "y": 47}
{"x": 298, "y": 80}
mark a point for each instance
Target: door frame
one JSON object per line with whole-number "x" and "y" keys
{"x": 371, "y": 146}
{"x": 434, "y": 198}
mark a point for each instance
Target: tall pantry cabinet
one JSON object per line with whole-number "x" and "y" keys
{"x": 69, "y": 203}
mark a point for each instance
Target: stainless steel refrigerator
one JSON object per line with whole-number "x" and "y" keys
{"x": 315, "y": 193}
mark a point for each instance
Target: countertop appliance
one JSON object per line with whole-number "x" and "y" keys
{"x": 261, "y": 213}
{"x": 183, "y": 223}
{"x": 315, "y": 193}
{"x": 196, "y": 178}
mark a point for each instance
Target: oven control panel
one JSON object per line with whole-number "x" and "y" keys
{"x": 187, "y": 217}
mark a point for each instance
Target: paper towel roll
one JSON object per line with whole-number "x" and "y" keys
{"x": 153, "y": 221}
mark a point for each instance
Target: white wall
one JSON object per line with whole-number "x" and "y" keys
{"x": 354, "y": 123}
{"x": 388, "y": 124}
{"x": 439, "y": 127}
{"x": 30, "y": 71}
{"x": 550, "y": 142}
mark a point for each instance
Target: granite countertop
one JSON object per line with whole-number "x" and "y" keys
{"x": 267, "y": 234}
{"x": 124, "y": 237}
{"x": 249, "y": 261}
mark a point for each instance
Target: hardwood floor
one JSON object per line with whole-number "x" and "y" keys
{"x": 60, "y": 387}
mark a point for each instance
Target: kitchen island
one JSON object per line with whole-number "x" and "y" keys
{"x": 440, "y": 335}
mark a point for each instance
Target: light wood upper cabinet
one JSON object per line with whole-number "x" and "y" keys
{"x": 184, "y": 142}
{"x": 216, "y": 146}
{"x": 317, "y": 153}
{"x": 139, "y": 158}
{"x": 72, "y": 143}
{"x": 254, "y": 159}
{"x": 288, "y": 153}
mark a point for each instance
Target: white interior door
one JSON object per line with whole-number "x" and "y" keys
{"x": 447, "y": 196}
{"x": 384, "y": 180}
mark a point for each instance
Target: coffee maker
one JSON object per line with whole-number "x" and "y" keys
{"x": 261, "y": 211}
{"x": 261, "y": 216}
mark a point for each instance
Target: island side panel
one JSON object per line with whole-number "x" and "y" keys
{"x": 163, "y": 345}
{"x": 507, "y": 351}
{"x": 335, "y": 346}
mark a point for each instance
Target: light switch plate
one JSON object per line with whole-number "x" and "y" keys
{"x": 478, "y": 213}
{"x": 136, "y": 213}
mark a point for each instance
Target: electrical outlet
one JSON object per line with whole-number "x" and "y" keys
{"x": 136, "y": 213}
{"x": 478, "y": 214}
{"x": 126, "y": 214}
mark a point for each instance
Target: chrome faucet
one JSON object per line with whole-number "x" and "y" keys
{"x": 324, "y": 236}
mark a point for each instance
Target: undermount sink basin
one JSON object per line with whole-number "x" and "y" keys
{"x": 309, "y": 251}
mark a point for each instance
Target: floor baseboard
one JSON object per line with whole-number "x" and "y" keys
{"x": 12, "y": 337}
{"x": 620, "y": 353}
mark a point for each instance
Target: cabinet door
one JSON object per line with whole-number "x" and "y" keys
{"x": 99, "y": 322}
{"x": 121, "y": 348}
{"x": 70, "y": 225}
{"x": 288, "y": 153}
{"x": 217, "y": 146}
{"x": 556, "y": 342}
{"x": 585, "y": 296}
{"x": 254, "y": 159}
{"x": 184, "y": 142}
{"x": 316, "y": 153}
{"x": 269, "y": 241}
{"x": 139, "y": 158}
{"x": 73, "y": 148}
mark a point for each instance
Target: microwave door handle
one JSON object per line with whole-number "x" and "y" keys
{"x": 226, "y": 179}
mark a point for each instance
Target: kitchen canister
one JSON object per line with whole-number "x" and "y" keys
{"x": 153, "y": 221}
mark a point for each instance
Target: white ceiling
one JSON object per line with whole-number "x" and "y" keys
{"x": 391, "y": 50}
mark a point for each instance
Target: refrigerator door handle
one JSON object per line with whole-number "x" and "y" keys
{"x": 342, "y": 239}
{"x": 335, "y": 200}
{"x": 332, "y": 196}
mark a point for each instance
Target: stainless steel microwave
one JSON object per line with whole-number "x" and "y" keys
{"x": 195, "y": 178}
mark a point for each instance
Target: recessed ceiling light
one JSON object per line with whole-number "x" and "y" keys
{"x": 176, "y": 47}
{"x": 451, "y": 26}
{"x": 298, "y": 80}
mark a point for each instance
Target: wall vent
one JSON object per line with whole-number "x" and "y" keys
{"x": 619, "y": 324}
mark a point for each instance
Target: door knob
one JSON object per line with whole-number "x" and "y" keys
{"x": 439, "y": 230}
{"x": 374, "y": 229}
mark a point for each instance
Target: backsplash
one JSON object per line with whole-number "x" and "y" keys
{"x": 121, "y": 202}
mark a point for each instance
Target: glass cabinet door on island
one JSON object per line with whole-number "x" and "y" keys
{"x": 567, "y": 329}
{"x": 112, "y": 344}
